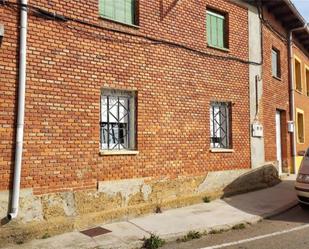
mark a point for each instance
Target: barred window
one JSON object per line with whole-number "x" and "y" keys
{"x": 117, "y": 120}
{"x": 220, "y": 125}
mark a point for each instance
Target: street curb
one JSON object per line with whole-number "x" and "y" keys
{"x": 252, "y": 220}
{"x": 280, "y": 210}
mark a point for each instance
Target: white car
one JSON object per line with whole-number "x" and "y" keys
{"x": 302, "y": 180}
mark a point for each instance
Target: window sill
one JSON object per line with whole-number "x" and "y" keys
{"x": 118, "y": 152}
{"x": 118, "y": 22}
{"x": 277, "y": 78}
{"x": 218, "y": 48}
{"x": 299, "y": 91}
{"x": 218, "y": 150}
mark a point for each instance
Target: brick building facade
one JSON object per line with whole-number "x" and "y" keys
{"x": 301, "y": 93}
{"x": 164, "y": 61}
{"x": 275, "y": 110}
{"x": 147, "y": 110}
{"x": 275, "y": 99}
{"x": 69, "y": 64}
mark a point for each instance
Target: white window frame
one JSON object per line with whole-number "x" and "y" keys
{"x": 220, "y": 125}
{"x": 297, "y": 60}
{"x": 119, "y": 119}
{"x": 276, "y": 72}
{"x": 299, "y": 111}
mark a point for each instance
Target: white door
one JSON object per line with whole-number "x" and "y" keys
{"x": 278, "y": 141}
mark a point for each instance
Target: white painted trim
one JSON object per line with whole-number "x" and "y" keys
{"x": 278, "y": 140}
{"x": 306, "y": 85}
{"x": 215, "y": 14}
{"x": 219, "y": 150}
{"x": 118, "y": 152}
{"x": 300, "y": 111}
{"x": 301, "y": 74}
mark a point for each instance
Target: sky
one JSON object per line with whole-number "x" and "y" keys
{"x": 303, "y": 8}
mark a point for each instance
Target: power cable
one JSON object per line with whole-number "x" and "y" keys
{"x": 48, "y": 15}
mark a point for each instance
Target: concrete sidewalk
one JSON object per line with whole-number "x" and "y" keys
{"x": 171, "y": 224}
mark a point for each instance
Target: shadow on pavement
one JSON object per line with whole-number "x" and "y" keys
{"x": 272, "y": 197}
{"x": 296, "y": 215}
{"x": 260, "y": 178}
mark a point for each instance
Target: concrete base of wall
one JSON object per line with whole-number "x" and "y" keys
{"x": 117, "y": 200}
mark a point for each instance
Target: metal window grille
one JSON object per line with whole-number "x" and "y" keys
{"x": 220, "y": 124}
{"x": 115, "y": 122}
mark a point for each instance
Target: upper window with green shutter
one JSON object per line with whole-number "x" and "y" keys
{"x": 216, "y": 29}
{"x": 123, "y": 11}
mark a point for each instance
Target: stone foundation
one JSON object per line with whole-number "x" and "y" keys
{"x": 117, "y": 200}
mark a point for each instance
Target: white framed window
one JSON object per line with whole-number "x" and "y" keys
{"x": 117, "y": 126}
{"x": 275, "y": 63}
{"x": 298, "y": 75}
{"x": 307, "y": 79}
{"x": 220, "y": 125}
{"x": 300, "y": 121}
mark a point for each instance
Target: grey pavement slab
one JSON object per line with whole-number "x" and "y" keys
{"x": 66, "y": 240}
{"x": 123, "y": 235}
{"x": 200, "y": 217}
{"x": 266, "y": 202}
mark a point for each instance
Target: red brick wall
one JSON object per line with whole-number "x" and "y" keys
{"x": 66, "y": 70}
{"x": 275, "y": 91}
{"x": 8, "y": 88}
{"x": 301, "y": 99}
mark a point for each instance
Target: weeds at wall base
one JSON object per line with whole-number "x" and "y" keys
{"x": 153, "y": 242}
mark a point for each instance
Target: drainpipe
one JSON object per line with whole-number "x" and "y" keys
{"x": 21, "y": 110}
{"x": 292, "y": 88}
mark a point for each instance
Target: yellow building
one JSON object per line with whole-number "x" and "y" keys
{"x": 301, "y": 98}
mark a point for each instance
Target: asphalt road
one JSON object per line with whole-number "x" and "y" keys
{"x": 289, "y": 230}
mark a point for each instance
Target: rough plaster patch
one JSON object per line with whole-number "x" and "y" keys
{"x": 218, "y": 180}
{"x": 146, "y": 190}
{"x": 4, "y": 203}
{"x": 69, "y": 204}
{"x": 61, "y": 204}
{"x": 30, "y": 206}
{"x": 126, "y": 188}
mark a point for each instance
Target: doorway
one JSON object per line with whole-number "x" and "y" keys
{"x": 279, "y": 141}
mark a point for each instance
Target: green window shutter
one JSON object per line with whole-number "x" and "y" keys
{"x": 215, "y": 29}
{"x": 107, "y": 8}
{"x": 208, "y": 26}
{"x": 118, "y": 10}
{"x": 220, "y": 26}
{"x": 101, "y": 7}
{"x": 129, "y": 11}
